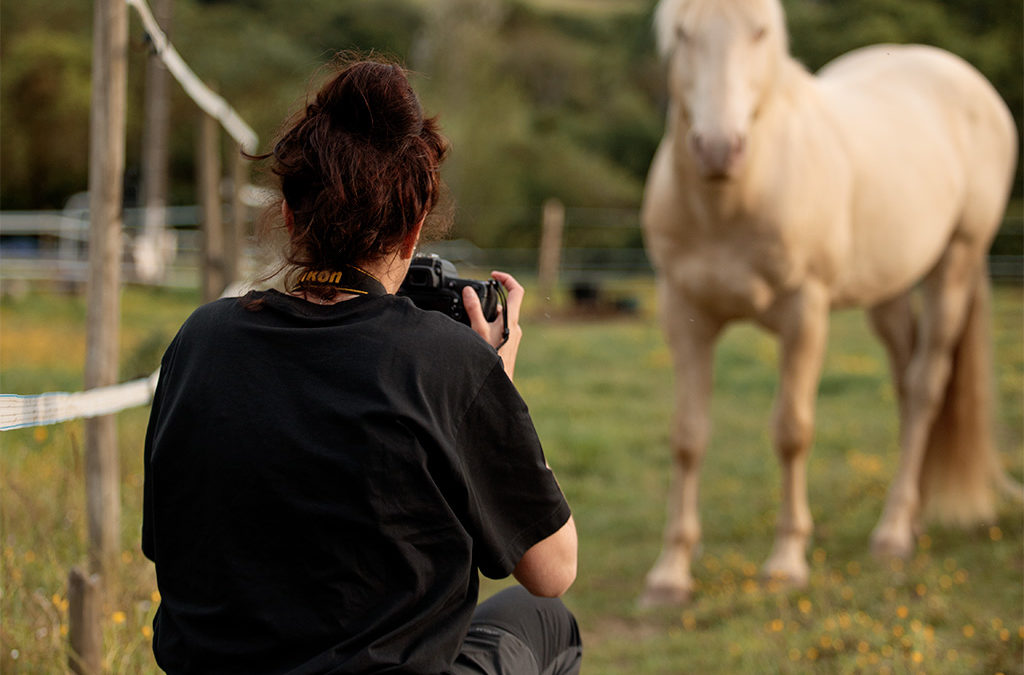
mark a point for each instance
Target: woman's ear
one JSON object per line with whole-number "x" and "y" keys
{"x": 289, "y": 217}
{"x": 408, "y": 248}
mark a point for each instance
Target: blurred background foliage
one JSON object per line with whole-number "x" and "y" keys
{"x": 541, "y": 98}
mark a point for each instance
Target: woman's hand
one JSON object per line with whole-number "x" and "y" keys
{"x": 493, "y": 331}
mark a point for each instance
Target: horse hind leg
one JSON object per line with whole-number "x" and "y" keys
{"x": 962, "y": 468}
{"x": 893, "y": 321}
{"x": 946, "y": 458}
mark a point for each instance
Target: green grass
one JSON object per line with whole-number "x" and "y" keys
{"x": 601, "y": 394}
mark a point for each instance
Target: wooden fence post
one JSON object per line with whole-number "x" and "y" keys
{"x": 84, "y": 631}
{"x": 236, "y": 232}
{"x": 106, "y": 176}
{"x": 552, "y": 225}
{"x": 212, "y": 261}
{"x": 154, "y": 240}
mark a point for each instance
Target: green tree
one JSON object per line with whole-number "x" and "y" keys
{"x": 540, "y": 99}
{"x": 45, "y": 119}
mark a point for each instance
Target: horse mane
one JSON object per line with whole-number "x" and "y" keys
{"x": 667, "y": 11}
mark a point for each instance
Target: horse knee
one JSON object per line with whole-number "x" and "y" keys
{"x": 687, "y": 455}
{"x": 794, "y": 430}
{"x": 689, "y": 441}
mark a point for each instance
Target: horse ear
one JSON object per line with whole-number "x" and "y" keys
{"x": 666, "y": 27}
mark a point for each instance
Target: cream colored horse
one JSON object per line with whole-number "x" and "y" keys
{"x": 776, "y": 196}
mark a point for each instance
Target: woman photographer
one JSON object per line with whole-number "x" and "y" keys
{"x": 329, "y": 468}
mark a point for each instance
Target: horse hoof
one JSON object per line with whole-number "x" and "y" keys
{"x": 664, "y": 596}
{"x": 889, "y": 547}
{"x": 787, "y": 564}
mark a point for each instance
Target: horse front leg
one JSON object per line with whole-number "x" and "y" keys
{"x": 802, "y": 324}
{"x": 691, "y": 335}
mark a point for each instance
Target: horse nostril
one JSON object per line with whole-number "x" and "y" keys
{"x": 697, "y": 141}
{"x": 740, "y": 144}
{"x": 717, "y": 154}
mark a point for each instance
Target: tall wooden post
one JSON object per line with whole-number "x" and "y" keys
{"x": 106, "y": 175}
{"x": 553, "y": 222}
{"x": 154, "y": 240}
{"x": 212, "y": 240}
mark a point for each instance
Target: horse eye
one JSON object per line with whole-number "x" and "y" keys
{"x": 680, "y": 33}
{"x": 759, "y": 34}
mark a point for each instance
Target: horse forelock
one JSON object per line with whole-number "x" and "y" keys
{"x": 670, "y": 14}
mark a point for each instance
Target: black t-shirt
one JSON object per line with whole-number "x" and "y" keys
{"x": 324, "y": 482}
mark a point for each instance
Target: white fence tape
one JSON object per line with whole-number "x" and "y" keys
{"x": 17, "y": 411}
{"x": 212, "y": 104}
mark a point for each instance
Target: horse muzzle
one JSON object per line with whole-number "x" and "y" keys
{"x": 718, "y": 156}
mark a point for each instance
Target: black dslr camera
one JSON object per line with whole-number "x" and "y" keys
{"x": 431, "y": 283}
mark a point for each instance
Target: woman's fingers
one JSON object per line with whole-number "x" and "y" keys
{"x": 493, "y": 332}
{"x": 471, "y": 303}
{"x": 515, "y": 293}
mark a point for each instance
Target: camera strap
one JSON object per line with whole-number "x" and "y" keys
{"x": 355, "y": 280}
{"x": 350, "y": 279}
{"x": 504, "y": 314}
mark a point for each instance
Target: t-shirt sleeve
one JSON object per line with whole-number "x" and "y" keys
{"x": 154, "y": 418}
{"x": 147, "y": 489}
{"x": 514, "y": 500}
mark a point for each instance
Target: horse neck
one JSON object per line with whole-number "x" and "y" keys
{"x": 792, "y": 83}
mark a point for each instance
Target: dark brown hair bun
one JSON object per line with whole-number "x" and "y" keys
{"x": 374, "y": 101}
{"x": 359, "y": 166}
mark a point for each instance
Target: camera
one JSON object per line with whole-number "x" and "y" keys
{"x": 433, "y": 283}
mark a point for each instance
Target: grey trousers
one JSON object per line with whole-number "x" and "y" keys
{"x": 516, "y": 633}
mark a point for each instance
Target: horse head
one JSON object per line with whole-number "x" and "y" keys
{"x": 723, "y": 57}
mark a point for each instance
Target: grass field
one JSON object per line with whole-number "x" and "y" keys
{"x": 600, "y": 393}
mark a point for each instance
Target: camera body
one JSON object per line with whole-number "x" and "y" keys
{"x": 432, "y": 283}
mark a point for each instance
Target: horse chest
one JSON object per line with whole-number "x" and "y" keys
{"x": 735, "y": 247}
{"x": 738, "y": 275}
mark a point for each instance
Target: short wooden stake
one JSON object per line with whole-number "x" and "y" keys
{"x": 84, "y": 631}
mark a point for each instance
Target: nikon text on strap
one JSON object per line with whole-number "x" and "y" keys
{"x": 350, "y": 279}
